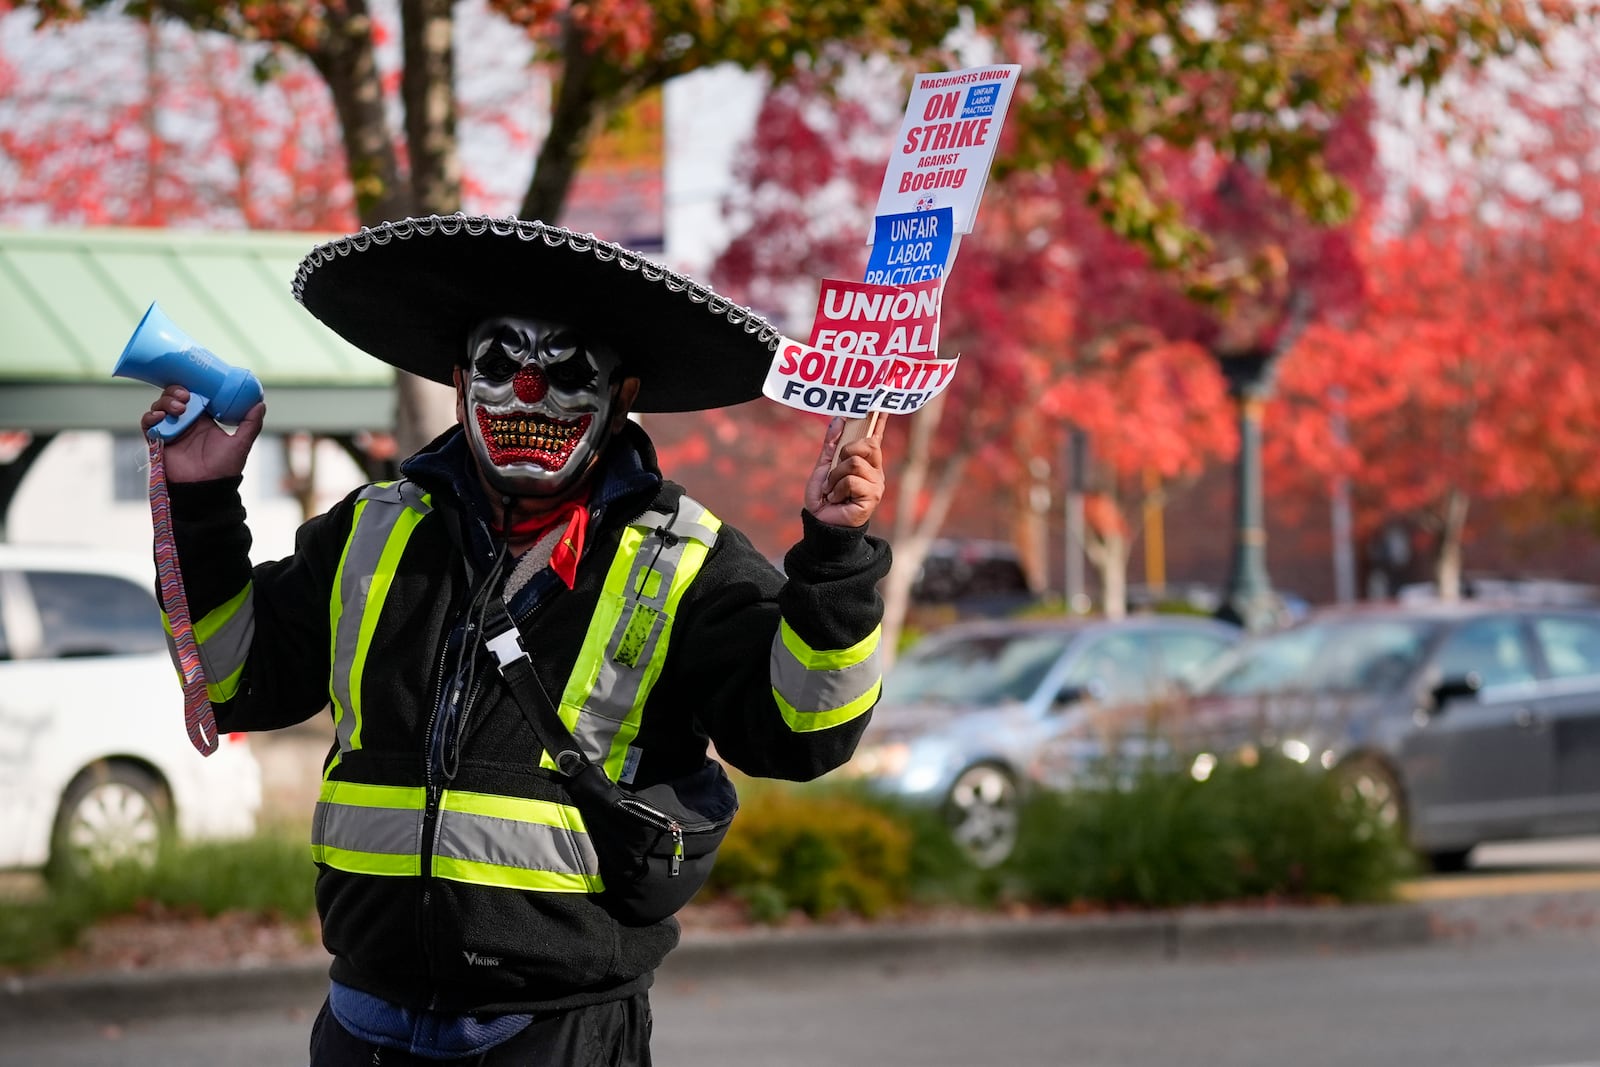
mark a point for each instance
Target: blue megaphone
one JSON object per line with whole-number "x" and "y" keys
{"x": 160, "y": 354}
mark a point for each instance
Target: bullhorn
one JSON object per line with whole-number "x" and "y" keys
{"x": 160, "y": 354}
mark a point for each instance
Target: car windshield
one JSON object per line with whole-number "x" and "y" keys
{"x": 1343, "y": 656}
{"x": 983, "y": 669}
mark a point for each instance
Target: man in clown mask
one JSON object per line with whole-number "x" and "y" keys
{"x": 458, "y": 887}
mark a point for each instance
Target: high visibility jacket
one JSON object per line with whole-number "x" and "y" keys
{"x": 472, "y": 890}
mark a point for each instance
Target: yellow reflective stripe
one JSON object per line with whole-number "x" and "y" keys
{"x": 361, "y": 795}
{"x": 335, "y": 612}
{"x": 218, "y": 616}
{"x": 226, "y": 689}
{"x": 518, "y": 809}
{"x": 395, "y": 866}
{"x": 223, "y": 640}
{"x": 591, "y": 656}
{"x": 693, "y": 558}
{"x": 814, "y": 660}
{"x": 492, "y": 874}
{"x": 802, "y": 722}
{"x": 388, "y": 563}
{"x": 361, "y": 583}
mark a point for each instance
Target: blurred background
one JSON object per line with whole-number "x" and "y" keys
{"x": 1269, "y": 482}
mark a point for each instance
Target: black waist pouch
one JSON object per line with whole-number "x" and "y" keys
{"x": 657, "y": 844}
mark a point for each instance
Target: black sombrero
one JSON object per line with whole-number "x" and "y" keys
{"x": 409, "y": 292}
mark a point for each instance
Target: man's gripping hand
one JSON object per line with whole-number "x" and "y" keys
{"x": 204, "y": 451}
{"x": 845, "y": 491}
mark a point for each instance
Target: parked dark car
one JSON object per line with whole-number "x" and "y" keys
{"x": 966, "y": 711}
{"x": 973, "y": 578}
{"x": 1462, "y": 723}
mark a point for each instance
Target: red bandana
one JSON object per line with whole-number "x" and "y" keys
{"x": 564, "y": 558}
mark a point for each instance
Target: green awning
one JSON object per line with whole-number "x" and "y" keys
{"x": 70, "y": 299}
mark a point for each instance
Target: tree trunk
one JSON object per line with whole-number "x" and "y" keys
{"x": 1451, "y": 533}
{"x": 577, "y": 113}
{"x": 1031, "y": 501}
{"x": 425, "y": 409}
{"x": 427, "y": 86}
{"x": 346, "y": 60}
{"x": 913, "y": 534}
{"x": 1109, "y": 552}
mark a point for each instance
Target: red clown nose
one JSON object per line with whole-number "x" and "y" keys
{"x": 530, "y": 384}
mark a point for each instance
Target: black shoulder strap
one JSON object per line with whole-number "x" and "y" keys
{"x": 504, "y": 642}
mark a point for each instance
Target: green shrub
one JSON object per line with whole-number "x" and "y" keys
{"x": 268, "y": 876}
{"x": 1276, "y": 830}
{"x": 815, "y": 852}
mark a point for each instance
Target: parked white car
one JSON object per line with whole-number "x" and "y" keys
{"x": 95, "y": 765}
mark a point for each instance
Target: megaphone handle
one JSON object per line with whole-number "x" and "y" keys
{"x": 174, "y": 426}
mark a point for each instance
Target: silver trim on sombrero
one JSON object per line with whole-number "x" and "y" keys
{"x": 555, "y": 237}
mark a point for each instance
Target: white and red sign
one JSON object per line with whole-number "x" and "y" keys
{"x": 839, "y": 383}
{"x": 947, "y": 142}
{"x": 878, "y": 320}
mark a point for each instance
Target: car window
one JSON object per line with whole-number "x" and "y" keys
{"x": 1330, "y": 656}
{"x": 94, "y": 615}
{"x": 1184, "y": 655}
{"x": 1490, "y": 648}
{"x": 1571, "y": 645}
{"x": 979, "y": 669}
{"x": 1125, "y": 664}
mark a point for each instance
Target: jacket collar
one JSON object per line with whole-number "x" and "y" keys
{"x": 627, "y": 470}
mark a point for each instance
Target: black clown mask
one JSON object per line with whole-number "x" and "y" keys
{"x": 538, "y": 401}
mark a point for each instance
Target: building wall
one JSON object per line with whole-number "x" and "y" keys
{"x": 90, "y": 489}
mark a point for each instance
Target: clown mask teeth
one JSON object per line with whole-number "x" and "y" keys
{"x": 546, "y": 443}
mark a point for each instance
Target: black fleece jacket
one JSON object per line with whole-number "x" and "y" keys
{"x": 420, "y": 941}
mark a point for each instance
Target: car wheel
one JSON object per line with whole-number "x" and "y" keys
{"x": 982, "y": 809}
{"x": 111, "y": 814}
{"x": 1375, "y": 785}
{"x": 1448, "y": 861}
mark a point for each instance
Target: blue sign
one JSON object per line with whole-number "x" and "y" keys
{"x": 980, "y": 100}
{"x": 910, "y": 248}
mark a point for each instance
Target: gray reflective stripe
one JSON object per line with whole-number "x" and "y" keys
{"x": 379, "y": 511}
{"x": 628, "y": 666}
{"x": 508, "y": 843}
{"x": 360, "y": 828}
{"x": 810, "y": 690}
{"x": 224, "y": 649}
{"x": 481, "y": 838}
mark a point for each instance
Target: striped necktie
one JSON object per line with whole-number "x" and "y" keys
{"x": 198, "y": 719}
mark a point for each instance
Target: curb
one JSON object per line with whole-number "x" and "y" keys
{"x": 125, "y": 997}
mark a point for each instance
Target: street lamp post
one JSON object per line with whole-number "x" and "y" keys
{"x": 1248, "y": 599}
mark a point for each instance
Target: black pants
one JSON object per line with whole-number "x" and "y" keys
{"x": 615, "y": 1034}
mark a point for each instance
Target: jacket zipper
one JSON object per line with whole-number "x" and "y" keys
{"x": 430, "y": 814}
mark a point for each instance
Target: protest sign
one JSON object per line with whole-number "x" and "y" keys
{"x": 855, "y": 386}
{"x": 877, "y": 320}
{"x": 910, "y": 248}
{"x": 874, "y": 343}
{"x": 947, "y": 142}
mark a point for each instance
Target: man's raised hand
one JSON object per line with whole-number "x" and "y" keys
{"x": 846, "y": 485}
{"x": 204, "y": 451}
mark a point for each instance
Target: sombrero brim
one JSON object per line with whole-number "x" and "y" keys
{"x": 409, "y": 292}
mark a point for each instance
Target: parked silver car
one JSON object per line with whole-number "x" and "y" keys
{"x": 1463, "y": 724}
{"x": 966, "y": 711}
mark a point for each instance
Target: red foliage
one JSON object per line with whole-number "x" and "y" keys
{"x": 105, "y": 129}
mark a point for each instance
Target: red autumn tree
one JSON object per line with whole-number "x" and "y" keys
{"x": 1117, "y": 77}
{"x": 165, "y": 129}
{"x": 1472, "y": 379}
